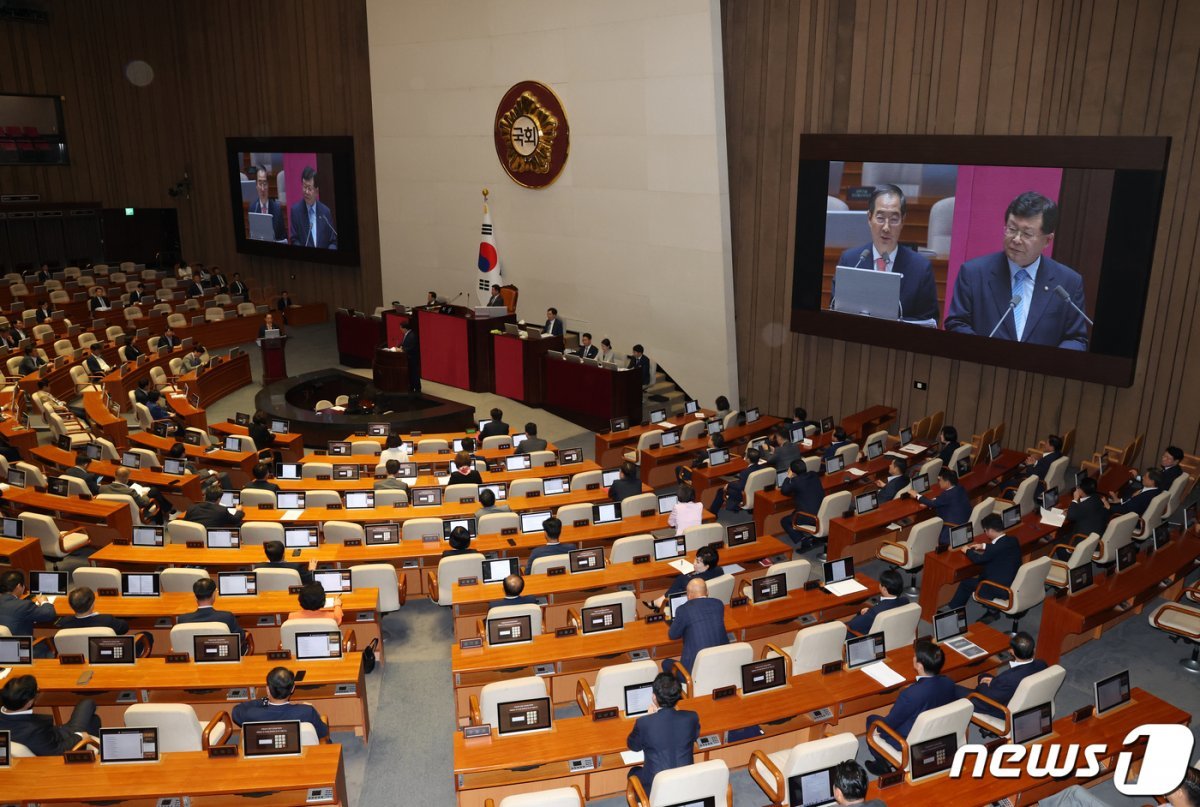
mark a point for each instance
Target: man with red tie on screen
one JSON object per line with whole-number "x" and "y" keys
{"x": 1019, "y": 293}
{"x": 311, "y": 226}
{"x": 265, "y": 204}
{"x": 885, "y": 217}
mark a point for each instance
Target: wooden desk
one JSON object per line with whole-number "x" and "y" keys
{"x": 209, "y": 782}
{"x": 183, "y": 490}
{"x": 1107, "y": 730}
{"x": 24, "y": 554}
{"x": 357, "y": 336}
{"x": 238, "y": 464}
{"x": 591, "y": 396}
{"x": 290, "y": 446}
{"x": 237, "y": 330}
{"x": 658, "y": 464}
{"x": 19, "y": 437}
{"x": 221, "y": 378}
{"x": 124, "y": 380}
{"x": 611, "y": 446}
{"x": 102, "y": 520}
{"x": 456, "y": 346}
{"x": 367, "y": 482}
{"x": 1071, "y": 620}
{"x": 421, "y": 458}
{"x": 112, "y": 427}
{"x": 485, "y": 768}
{"x": 518, "y": 366}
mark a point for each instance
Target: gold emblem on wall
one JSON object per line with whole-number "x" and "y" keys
{"x": 531, "y": 134}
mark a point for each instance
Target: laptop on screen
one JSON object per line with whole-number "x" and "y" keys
{"x": 948, "y": 624}
{"x": 276, "y": 738}
{"x": 835, "y": 571}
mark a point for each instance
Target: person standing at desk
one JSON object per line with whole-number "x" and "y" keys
{"x": 269, "y": 324}
{"x": 699, "y": 623}
{"x": 265, "y": 204}
{"x": 554, "y": 325}
{"x": 663, "y": 734}
{"x": 283, "y": 304}
{"x": 639, "y": 362}
{"x": 412, "y": 350}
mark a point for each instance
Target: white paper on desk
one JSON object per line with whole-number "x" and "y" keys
{"x": 141, "y": 490}
{"x": 806, "y": 442}
{"x": 232, "y": 510}
{"x": 844, "y": 587}
{"x": 1054, "y": 518}
{"x": 409, "y": 480}
{"x": 733, "y": 568}
{"x": 442, "y": 480}
{"x": 176, "y": 395}
{"x": 50, "y": 598}
{"x": 628, "y": 757}
{"x": 894, "y": 454}
{"x": 4, "y": 486}
{"x": 4, "y": 673}
{"x": 885, "y": 675}
{"x": 330, "y": 602}
{"x": 683, "y": 566}
{"x": 894, "y": 526}
{"x": 291, "y": 515}
{"x": 912, "y": 448}
{"x": 666, "y": 424}
{"x": 855, "y": 471}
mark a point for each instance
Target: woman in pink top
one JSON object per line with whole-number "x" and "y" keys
{"x": 312, "y": 604}
{"x": 687, "y": 512}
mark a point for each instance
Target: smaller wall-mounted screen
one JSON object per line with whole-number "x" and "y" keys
{"x": 31, "y": 130}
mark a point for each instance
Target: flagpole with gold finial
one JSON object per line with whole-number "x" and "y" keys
{"x": 485, "y": 196}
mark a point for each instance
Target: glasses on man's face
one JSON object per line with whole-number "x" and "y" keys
{"x": 1016, "y": 234}
{"x": 891, "y": 221}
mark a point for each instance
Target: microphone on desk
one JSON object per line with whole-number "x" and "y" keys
{"x": 1066, "y": 298}
{"x": 1012, "y": 304}
{"x": 330, "y": 223}
{"x": 862, "y": 256}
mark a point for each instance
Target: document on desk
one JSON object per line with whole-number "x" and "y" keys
{"x": 855, "y": 471}
{"x": 442, "y": 480}
{"x": 141, "y": 490}
{"x": 1054, "y": 518}
{"x": 733, "y": 568}
{"x": 844, "y": 587}
{"x": 666, "y": 424}
{"x": 291, "y": 515}
{"x": 965, "y": 647}
{"x": 681, "y": 565}
{"x": 885, "y": 675}
{"x": 627, "y": 757}
{"x": 912, "y": 448}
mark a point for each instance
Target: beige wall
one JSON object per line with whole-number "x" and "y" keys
{"x": 632, "y": 241}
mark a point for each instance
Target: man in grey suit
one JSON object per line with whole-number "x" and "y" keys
{"x": 487, "y": 505}
{"x": 783, "y": 451}
{"x": 393, "y": 480}
{"x": 120, "y": 484}
{"x": 531, "y": 442}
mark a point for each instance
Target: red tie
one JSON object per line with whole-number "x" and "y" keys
{"x": 881, "y": 264}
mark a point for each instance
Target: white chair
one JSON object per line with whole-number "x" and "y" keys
{"x": 702, "y": 535}
{"x": 795, "y": 574}
{"x": 832, "y": 506}
{"x": 178, "y": 727}
{"x": 311, "y": 470}
{"x": 1060, "y": 571}
{"x": 1181, "y": 621}
{"x": 449, "y": 570}
{"x": 324, "y": 403}
{"x": 848, "y": 453}
{"x": 691, "y": 784}
{"x": 56, "y": 544}
{"x": 559, "y": 797}
{"x": 149, "y": 459}
{"x": 909, "y": 555}
{"x": 691, "y": 430}
{"x": 432, "y": 445}
{"x": 609, "y": 689}
{"x": 580, "y": 481}
{"x": 179, "y": 581}
{"x": 276, "y": 579}
{"x": 1117, "y": 533}
{"x": 322, "y": 498}
{"x": 96, "y": 578}
{"x": 253, "y": 497}
{"x": 1034, "y": 690}
{"x": 381, "y": 577}
{"x": 981, "y": 509}
{"x": 757, "y": 481}
{"x": 183, "y": 635}
{"x": 244, "y": 443}
{"x": 1176, "y": 490}
{"x": 415, "y": 529}
{"x": 295, "y": 625}
{"x": 494, "y": 523}
{"x": 1056, "y": 474}
{"x": 338, "y": 532}
{"x": 457, "y": 494}
{"x": 539, "y": 459}
{"x": 771, "y": 772}
{"x": 74, "y": 641}
{"x": 624, "y": 550}
{"x": 521, "y": 487}
{"x": 625, "y": 599}
{"x": 1025, "y": 495}
{"x": 180, "y": 531}
{"x": 652, "y": 438}
{"x": 960, "y": 453}
{"x": 529, "y": 609}
{"x": 941, "y": 219}
{"x": 365, "y": 448}
{"x": 540, "y": 565}
{"x": 812, "y": 648}
{"x": 390, "y": 498}
{"x": 834, "y": 203}
{"x": 135, "y": 513}
{"x": 721, "y": 588}
{"x": 483, "y": 707}
{"x": 257, "y": 533}
{"x": 568, "y": 514}
{"x": 716, "y": 667}
{"x": 898, "y": 625}
{"x": 634, "y": 506}
{"x": 1027, "y": 590}
{"x": 1155, "y": 515}
{"x": 953, "y": 718}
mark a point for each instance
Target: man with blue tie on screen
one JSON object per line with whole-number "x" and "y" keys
{"x": 1019, "y": 293}
{"x": 265, "y": 204}
{"x": 311, "y": 226}
{"x": 885, "y": 217}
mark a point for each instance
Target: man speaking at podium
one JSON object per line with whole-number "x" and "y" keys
{"x": 412, "y": 350}
{"x": 311, "y": 226}
{"x": 885, "y": 217}
{"x": 1019, "y": 293}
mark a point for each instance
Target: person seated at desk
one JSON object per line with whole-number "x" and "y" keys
{"x": 495, "y": 426}
{"x": 274, "y": 551}
{"x": 1138, "y": 502}
{"x": 1169, "y": 466}
{"x": 99, "y": 300}
{"x": 19, "y": 614}
{"x": 929, "y": 691}
{"x": 169, "y": 339}
{"x": 800, "y": 415}
{"x": 44, "y": 311}
{"x": 195, "y": 287}
{"x": 850, "y": 785}
{"x": 952, "y": 505}
{"x": 891, "y": 595}
{"x": 269, "y": 324}
{"x": 218, "y": 280}
{"x": 531, "y": 442}
{"x": 19, "y": 333}
{"x": 665, "y": 735}
{"x": 193, "y": 360}
{"x": 96, "y": 367}
{"x": 554, "y": 325}
{"x": 839, "y": 439}
{"x": 460, "y": 543}
{"x": 259, "y": 432}
{"x": 514, "y": 585}
{"x": 497, "y": 299}
{"x": 283, "y": 304}
{"x": 43, "y": 274}
{"x": 312, "y": 604}
{"x": 150, "y": 505}
{"x": 392, "y": 481}
{"x": 731, "y": 495}
{"x": 707, "y": 567}
{"x": 464, "y": 471}
{"x": 157, "y": 411}
{"x": 37, "y": 732}
{"x": 394, "y": 449}
{"x": 999, "y": 555}
{"x": 627, "y": 484}
{"x": 807, "y": 492}
{"x": 487, "y": 505}
{"x": 211, "y": 515}
{"x": 205, "y": 591}
{"x": 1001, "y": 686}
{"x": 132, "y": 351}
{"x": 639, "y": 361}
{"x": 8, "y": 339}
{"x": 239, "y": 289}
{"x": 135, "y": 296}
{"x": 607, "y": 354}
{"x": 586, "y": 349}
{"x": 141, "y": 393}
{"x": 897, "y": 480}
{"x": 31, "y": 362}
{"x": 700, "y": 458}
{"x": 281, "y": 684}
{"x": 83, "y": 602}
{"x": 262, "y": 478}
{"x": 552, "y": 548}
{"x": 1036, "y": 466}
{"x": 687, "y": 512}
{"x": 950, "y": 444}
{"x": 432, "y": 299}
{"x": 699, "y": 623}
{"x": 87, "y": 477}
{"x": 1086, "y": 514}
{"x": 781, "y": 451}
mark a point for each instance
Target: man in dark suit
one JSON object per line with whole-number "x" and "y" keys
{"x": 554, "y": 325}
{"x": 269, "y": 324}
{"x": 37, "y": 732}
{"x": 283, "y": 304}
{"x": 1003, "y": 685}
{"x": 531, "y": 442}
{"x": 707, "y": 567}
{"x": 952, "y": 505}
{"x": 99, "y": 300}
{"x": 195, "y": 287}
{"x": 627, "y": 484}
{"x": 586, "y": 349}
{"x": 885, "y": 217}
{"x": 44, "y": 311}
{"x": 31, "y": 362}
{"x": 733, "y": 493}
{"x": 260, "y": 432}
{"x": 497, "y": 299}
{"x": 1000, "y": 557}
{"x": 132, "y": 352}
{"x": 699, "y": 623}
{"x": 663, "y": 734}
{"x": 839, "y": 439}
{"x": 985, "y": 285}
{"x": 929, "y": 691}
{"x": 891, "y": 595}
{"x": 239, "y": 289}
{"x": 218, "y": 280}
{"x": 264, "y": 204}
{"x": 83, "y": 602}
{"x": 310, "y": 218}
{"x": 897, "y": 480}
{"x": 96, "y": 367}
{"x": 1138, "y": 502}
{"x": 274, "y": 551}
{"x": 262, "y": 481}
{"x": 211, "y": 515}
{"x": 1169, "y": 466}
{"x": 412, "y": 351}
{"x": 281, "y": 683}
{"x": 170, "y": 339}
{"x": 514, "y": 585}
{"x": 135, "y": 296}
{"x": 18, "y": 614}
{"x": 1037, "y": 466}
{"x": 205, "y": 590}
{"x": 90, "y": 479}
{"x": 781, "y": 451}
{"x": 1086, "y": 514}
{"x": 43, "y": 274}
{"x": 807, "y": 493}
{"x": 552, "y": 548}
{"x": 850, "y": 785}
{"x": 495, "y": 426}
{"x": 638, "y": 361}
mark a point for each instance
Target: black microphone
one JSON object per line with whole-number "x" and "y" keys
{"x": 1066, "y": 298}
{"x": 866, "y": 253}
{"x": 330, "y": 223}
{"x": 1012, "y": 304}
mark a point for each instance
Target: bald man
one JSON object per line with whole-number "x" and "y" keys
{"x": 699, "y": 622}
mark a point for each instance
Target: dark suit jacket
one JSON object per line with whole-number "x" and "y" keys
{"x": 213, "y": 615}
{"x": 1000, "y": 560}
{"x": 412, "y": 349}
{"x": 89, "y": 479}
{"x": 946, "y": 453}
{"x": 194, "y": 289}
{"x": 135, "y": 297}
{"x": 920, "y": 696}
{"x": 97, "y": 302}
{"x": 531, "y": 444}
{"x": 276, "y": 211}
{"x": 806, "y": 491}
{"x": 862, "y": 622}
{"x": 643, "y": 365}
{"x": 952, "y": 506}
{"x": 212, "y": 514}
{"x": 92, "y": 364}
{"x": 553, "y": 327}
{"x": 1137, "y": 503}
{"x": 38, "y": 733}
{"x": 1003, "y": 686}
{"x": 666, "y": 737}
{"x": 258, "y": 710}
{"x": 30, "y": 364}
{"x": 1088, "y": 515}
{"x": 782, "y": 458}
{"x": 547, "y": 551}
{"x": 700, "y": 623}
{"x": 493, "y": 428}
{"x": 261, "y": 435}
{"x": 918, "y": 292}
{"x": 1170, "y": 475}
{"x": 171, "y": 342}
{"x": 589, "y": 352}
{"x": 19, "y": 616}
{"x": 262, "y": 484}
{"x": 119, "y": 626}
{"x": 833, "y": 447}
{"x": 43, "y": 315}
{"x": 982, "y": 292}
{"x": 624, "y": 488}
{"x": 238, "y": 289}
{"x": 471, "y": 478}
{"x": 131, "y": 351}
{"x": 522, "y": 599}
{"x": 301, "y": 233}
{"x": 892, "y": 487}
{"x": 494, "y": 302}
{"x": 1042, "y": 466}
{"x": 680, "y": 583}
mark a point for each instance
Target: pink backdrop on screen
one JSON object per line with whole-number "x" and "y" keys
{"x": 981, "y": 195}
{"x": 294, "y": 165}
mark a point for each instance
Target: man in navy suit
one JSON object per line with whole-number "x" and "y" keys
{"x": 782, "y": 451}
{"x": 638, "y": 361}
{"x": 891, "y": 595}
{"x": 83, "y": 601}
{"x": 1086, "y": 513}
{"x": 514, "y": 585}
{"x": 552, "y": 547}
{"x": 885, "y": 217}
{"x": 952, "y": 505}
{"x": 37, "y": 732}
{"x": 807, "y": 493}
{"x": 264, "y": 204}
{"x": 1138, "y": 502}
{"x": 699, "y": 623}
{"x": 985, "y": 285}
{"x": 205, "y": 590}
{"x": 839, "y": 439}
{"x": 554, "y": 325}
{"x": 281, "y": 682}
{"x": 311, "y": 224}
{"x": 1000, "y": 557}
{"x": 929, "y": 691}
{"x": 897, "y": 480}
{"x": 412, "y": 351}
{"x": 1037, "y": 466}
{"x": 1003, "y": 685}
{"x": 734, "y": 493}
{"x": 664, "y": 735}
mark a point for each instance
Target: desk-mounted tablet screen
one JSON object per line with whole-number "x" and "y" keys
{"x": 225, "y": 538}
{"x": 667, "y": 502}
{"x": 932, "y": 756}
{"x": 221, "y": 648}
{"x": 57, "y": 486}
{"x": 1032, "y": 724}
{"x": 516, "y": 717}
{"x": 128, "y": 745}
{"x": 555, "y": 485}
{"x": 509, "y": 630}
{"x": 771, "y": 587}
{"x": 496, "y": 569}
{"x": 300, "y": 537}
{"x": 813, "y": 789}
{"x": 866, "y": 502}
{"x": 147, "y": 536}
{"x": 835, "y": 464}
{"x": 670, "y": 547}
{"x": 874, "y": 450}
{"x": 231, "y": 498}
{"x": 920, "y": 483}
{"x": 378, "y": 429}
{"x": 518, "y": 462}
{"x": 16, "y": 649}
{"x": 586, "y": 560}
{"x": 864, "y": 650}
{"x": 426, "y": 497}
{"x": 717, "y": 456}
{"x": 318, "y": 645}
{"x": 961, "y": 535}
{"x": 346, "y": 473}
{"x": 5, "y": 750}
{"x": 360, "y": 499}
{"x": 139, "y": 584}
{"x": 498, "y": 489}
{"x": 714, "y": 426}
{"x": 570, "y": 456}
{"x": 949, "y": 624}
{"x": 237, "y": 584}
{"x": 1112, "y": 691}
{"x": 670, "y": 438}
{"x": 111, "y": 650}
{"x": 835, "y": 571}
{"x": 48, "y": 582}
{"x": 599, "y": 618}
{"x": 609, "y": 475}
{"x": 618, "y": 424}
{"x": 376, "y": 534}
{"x": 12, "y": 527}
{"x": 278, "y": 738}
{"x": 532, "y": 521}
{"x": 334, "y": 581}
{"x": 740, "y": 534}
{"x": 1011, "y": 516}
{"x": 131, "y": 460}
{"x": 16, "y": 477}
{"x": 606, "y": 513}
{"x": 637, "y": 698}
{"x": 763, "y": 675}
{"x": 1080, "y": 577}
{"x": 1126, "y": 557}
{"x": 287, "y": 470}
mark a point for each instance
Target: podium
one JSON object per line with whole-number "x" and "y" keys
{"x": 518, "y": 366}
{"x": 455, "y": 347}
{"x": 390, "y": 369}
{"x": 274, "y": 360}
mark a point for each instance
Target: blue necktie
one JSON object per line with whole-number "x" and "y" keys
{"x": 1022, "y": 285}
{"x": 312, "y": 224}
